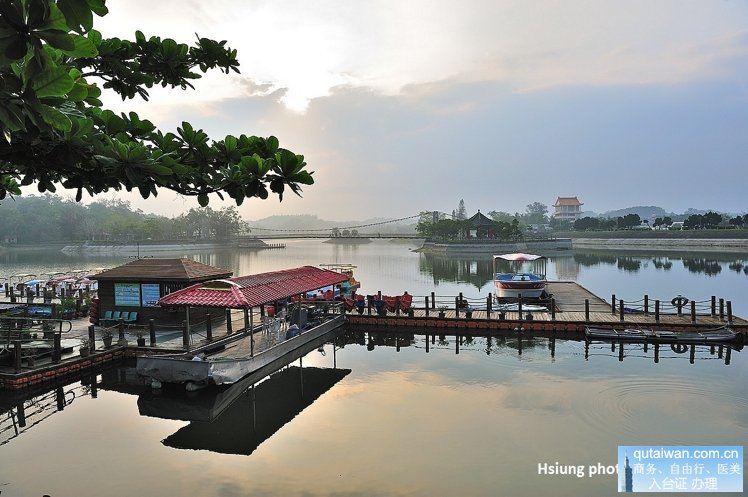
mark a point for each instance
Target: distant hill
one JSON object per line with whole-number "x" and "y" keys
{"x": 312, "y": 222}
{"x": 644, "y": 212}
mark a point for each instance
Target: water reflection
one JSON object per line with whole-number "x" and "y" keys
{"x": 710, "y": 264}
{"x": 238, "y": 421}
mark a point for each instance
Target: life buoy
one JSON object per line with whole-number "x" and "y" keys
{"x": 679, "y": 348}
{"x": 679, "y": 301}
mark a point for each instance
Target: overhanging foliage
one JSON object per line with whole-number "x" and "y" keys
{"x": 55, "y": 131}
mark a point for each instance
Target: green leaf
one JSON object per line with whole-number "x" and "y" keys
{"x": 54, "y": 82}
{"x": 272, "y": 143}
{"x": 55, "y": 20}
{"x": 98, "y": 7}
{"x": 202, "y": 199}
{"x": 78, "y": 93}
{"x": 77, "y": 14}
{"x": 15, "y": 48}
{"x": 84, "y": 48}
{"x": 58, "y": 39}
{"x": 9, "y": 116}
{"x": 55, "y": 118}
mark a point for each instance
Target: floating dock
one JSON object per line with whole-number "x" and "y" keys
{"x": 574, "y": 308}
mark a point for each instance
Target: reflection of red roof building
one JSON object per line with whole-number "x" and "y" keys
{"x": 567, "y": 209}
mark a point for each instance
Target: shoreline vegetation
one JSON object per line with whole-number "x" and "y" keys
{"x": 734, "y": 240}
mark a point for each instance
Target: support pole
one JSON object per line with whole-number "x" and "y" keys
{"x": 586, "y": 310}
{"x": 620, "y": 310}
{"x": 228, "y": 321}
{"x": 693, "y": 311}
{"x": 646, "y": 305}
{"x": 729, "y": 312}
{"x": 613, "y": 304}
{"x": 721, "y": 309}
{"x": 185, "y": 335}
{"x": 553, "y": 309}
{"x": 657, "y": 312}
{"x": 209, "y": 326}
{"x": 427, "y": 306}
{"x": 152, "y": 332}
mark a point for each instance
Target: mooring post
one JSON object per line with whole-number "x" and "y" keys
{"x": 729, "y": 312}
{"x": 646, "y": 305}
{"x": 613, "y": 304}
{"x": 489, "y": 304}
{"x": 519, "y": 306}
{"x": 553, "y": 309}
{"x": 152, "y": 331}
{"x": 121, "y": 340}
{"x": 433, "y": 300}
{"x": 692, "y": 355}
{"x": 657, "y": 353}
{"x": 727, "y": 356}
{"x": 720, "y": 351}
{"x": 721, "y": 309}
{"x": 657, "y": 311}
{"x": 209, "y": 326}
{"x": 185, "y": 335}
{"x": 620, "y": 352}
{"x": 457, "y": 345}
{"x": 714, "y": 305}
{"x": 620, "y": 310}
{"x": 457, "y": 306}
{"x": 586, "y": 349}
{"x": 56, "y": 348}
{"x": 17, "y": 352}
{"x": 427, "y": 344}
{"x": 397, "y": 306}
{"x": 586, "y": 310}
{"x": 693, "y": 311}
{"x": 91, "y": 338}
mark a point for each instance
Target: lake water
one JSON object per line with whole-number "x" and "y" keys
{"x": 373, "y": 415}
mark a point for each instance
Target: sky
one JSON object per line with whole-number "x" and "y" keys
{"x": 402, "y": 107}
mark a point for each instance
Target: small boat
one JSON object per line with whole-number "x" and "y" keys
{"x": 346, "y": 288}
{"x": 528, "y": 284}
{"x": 722, "y": 334}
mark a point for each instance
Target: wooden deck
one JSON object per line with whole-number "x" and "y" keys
{"x": 570, "y": 315}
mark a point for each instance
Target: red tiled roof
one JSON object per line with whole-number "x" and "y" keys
{"x": 254, "y": 290}
{"x": 163, "y": 269}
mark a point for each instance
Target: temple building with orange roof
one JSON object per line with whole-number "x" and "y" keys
{"x": 567, "y": 209}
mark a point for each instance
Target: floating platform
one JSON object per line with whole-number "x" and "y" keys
{"x": 575, "y": 308}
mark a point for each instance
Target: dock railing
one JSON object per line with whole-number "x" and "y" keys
{"x": 29, "y": 339}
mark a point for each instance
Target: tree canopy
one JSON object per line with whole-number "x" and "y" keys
{"x": 55, "y": 131}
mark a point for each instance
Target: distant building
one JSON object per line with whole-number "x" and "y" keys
{"x": 480, "y": 226}
{"x": 567, "y": 209}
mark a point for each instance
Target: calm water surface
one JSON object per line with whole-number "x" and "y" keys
{"x": 369, "y": 417}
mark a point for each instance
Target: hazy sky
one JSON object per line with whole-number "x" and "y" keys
{"x": 404, "y": 106}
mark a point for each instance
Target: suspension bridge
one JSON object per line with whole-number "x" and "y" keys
{"x": 372, "y": 230}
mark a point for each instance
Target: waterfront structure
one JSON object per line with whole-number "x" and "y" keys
{"x": 138, "y": 285}
{"x": 479, "y": 227}
{"x": 567, "y": 209}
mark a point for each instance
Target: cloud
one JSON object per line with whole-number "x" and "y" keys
{"x": 406, "y": 106}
